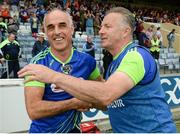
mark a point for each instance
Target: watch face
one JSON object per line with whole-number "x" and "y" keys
{"x": 66, "y": 69}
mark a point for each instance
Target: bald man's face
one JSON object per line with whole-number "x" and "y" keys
{"x": 59, "y": 30}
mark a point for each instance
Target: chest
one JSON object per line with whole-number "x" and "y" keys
{"x": 77, "y": 69}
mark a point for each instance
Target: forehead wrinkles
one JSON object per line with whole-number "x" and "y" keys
{"x": 57, "y": 16}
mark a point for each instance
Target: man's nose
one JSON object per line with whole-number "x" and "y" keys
{"x": 57, "y": 30}
{"x": 101, "y": 30}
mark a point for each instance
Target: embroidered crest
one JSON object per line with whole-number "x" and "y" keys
{"x": 66, "y": 69}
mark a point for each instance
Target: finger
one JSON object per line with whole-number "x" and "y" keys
{"x": 21, "y": 71}
{"x": 22, "y": 74}
{"x": 26, "y": 73}
{"x": 24, "y": 69}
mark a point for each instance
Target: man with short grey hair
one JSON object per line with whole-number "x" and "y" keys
{"x": 51, "y": 109}
{"x": 132, "y": 91}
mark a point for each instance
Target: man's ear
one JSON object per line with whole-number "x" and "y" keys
{"x": 127, "y": 31}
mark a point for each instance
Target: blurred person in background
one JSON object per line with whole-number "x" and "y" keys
{"x": 107, "y": 59}
{"x": 159, "y": 36}
{"x": 143, "y": 39}
{"x": 12, "y": 27}
{"x": 34, "y": 24}
{"x": 97, "y": 23}
{"x": 3, "y": 28}
{"x": 89, "y": 16}
{"x": 171, "y": 38}
{"x": 150, "y": 32}
{"x": 155, "y": 47}
{"x": 1, "y": 59}
{"x": 40, "y": 44}
{"x": 23, "y": 15}
{"x": 11, "y": 52}
{"x": 89, "y": 47}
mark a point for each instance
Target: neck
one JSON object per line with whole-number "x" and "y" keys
{"x": 62, "y": 55}
{"x": 119, "y": 46}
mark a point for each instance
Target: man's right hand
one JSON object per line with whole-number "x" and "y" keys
{"x": 81, "y": 105}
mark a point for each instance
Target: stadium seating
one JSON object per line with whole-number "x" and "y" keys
{"x": 26, "y": 42}
{"x": 169, "y": 60}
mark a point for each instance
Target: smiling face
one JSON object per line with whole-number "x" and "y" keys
{"x": 112, "y": 30}
{"x": 59, "y": 30}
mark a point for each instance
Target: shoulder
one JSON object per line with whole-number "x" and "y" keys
{"x": 144, "y": 56}
{"x": 2, "y": 44}
{"x": 6, "y": 41}
{"x": 84, "y": 58}
{"x": 139, "y": 54}
{"x": 133, "y": 55}
{"x": 138, "y": 64}
{"x": 83, "y": 55}
{"x": 42, "y": 56}
{"x": 142, "y": 51}
{"x": 16, "y": 42}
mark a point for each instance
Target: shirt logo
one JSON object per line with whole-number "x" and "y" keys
{"x": 172, "y": 93}
{"x": 66, "y": 69}
{"x": 56, "y": 89}
{"x": 117, "y": 104}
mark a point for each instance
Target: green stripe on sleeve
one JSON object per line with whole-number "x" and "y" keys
{"x": 133, "y": 65}
{"x": 95, "y": 74}
{"x": 34, "y": 83}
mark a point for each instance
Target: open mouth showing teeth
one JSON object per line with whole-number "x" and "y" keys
{"x": 58, "y": 39}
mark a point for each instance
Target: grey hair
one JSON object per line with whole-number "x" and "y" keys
{"x": 57, "y": 9}
{"x": 129, "y": 18}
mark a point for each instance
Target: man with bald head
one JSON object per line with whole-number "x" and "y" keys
{"x": 132, "y": 91}
{"x": 51, "y": 109}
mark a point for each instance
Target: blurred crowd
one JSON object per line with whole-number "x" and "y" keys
{"x": 87, "y": 15}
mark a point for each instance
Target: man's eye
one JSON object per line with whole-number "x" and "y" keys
{"x": 62, "y": 25}
{"x": 107, "y": 26}
{"x": 50, "y": 28}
